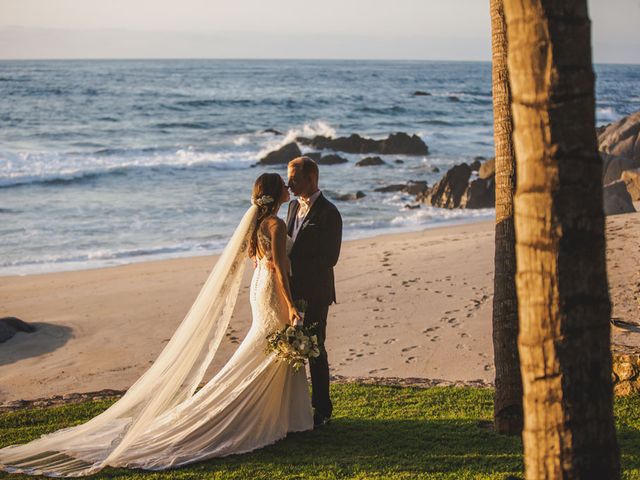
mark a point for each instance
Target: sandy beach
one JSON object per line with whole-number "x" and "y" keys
{"x": 409, "y": 305}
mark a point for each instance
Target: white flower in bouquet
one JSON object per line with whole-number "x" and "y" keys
{"x": 294, "y": 345}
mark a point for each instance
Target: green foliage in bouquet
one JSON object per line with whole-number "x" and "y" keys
{"x": 294, "y": 345}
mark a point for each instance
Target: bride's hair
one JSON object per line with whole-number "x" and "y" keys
{"x": 267, "y": 191}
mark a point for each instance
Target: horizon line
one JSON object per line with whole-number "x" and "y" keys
{"x": 327, "y": 59}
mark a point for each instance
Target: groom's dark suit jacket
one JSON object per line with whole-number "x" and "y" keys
{"x": 315, "y": 251}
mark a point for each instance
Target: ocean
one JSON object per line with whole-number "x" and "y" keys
{"x": 111, "y": 162}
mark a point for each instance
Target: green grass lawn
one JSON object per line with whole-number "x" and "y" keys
{"x": 377, "y": 432}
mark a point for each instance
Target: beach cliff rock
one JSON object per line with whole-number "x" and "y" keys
{"x": 481, "y": 193}
{"x": 632, "y": 180}
{"x": 448, "y": 192}
{"x": 619, "y": 145}
{"x": 617, "y": 199}
{"x": 396, "y": 143}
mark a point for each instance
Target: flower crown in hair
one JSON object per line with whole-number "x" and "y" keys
{"x": 263, "y": 200}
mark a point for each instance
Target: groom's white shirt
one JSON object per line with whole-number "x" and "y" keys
{"x": 303, "y": 209}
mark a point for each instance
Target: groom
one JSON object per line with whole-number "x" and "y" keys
{"x": 315, "y": 225}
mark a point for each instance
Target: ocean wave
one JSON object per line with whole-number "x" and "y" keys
{"x": 106, "y": 257}
{"x": 56, "y": 169}
{"x": 215, "y": 102}
{"x": 312, "y": 129}
{"x": 606, "y": 115}
{"x": 189, "y": 125}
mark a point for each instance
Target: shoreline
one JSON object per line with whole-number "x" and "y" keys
{"x": 191, "y": 254}
{"x": 410, "y": 305}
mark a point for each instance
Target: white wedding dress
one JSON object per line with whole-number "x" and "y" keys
{"x": 161, "y": 422}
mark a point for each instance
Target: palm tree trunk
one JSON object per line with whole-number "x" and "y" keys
{"x": 507, "y": 405}
{"x": 561, "y": 277}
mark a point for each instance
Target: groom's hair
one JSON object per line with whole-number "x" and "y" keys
{"x": 308, "y": 166}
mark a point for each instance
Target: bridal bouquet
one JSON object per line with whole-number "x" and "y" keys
{"x": 294, "y": 344}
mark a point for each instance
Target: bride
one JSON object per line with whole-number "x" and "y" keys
{"x": 254, "y": 400}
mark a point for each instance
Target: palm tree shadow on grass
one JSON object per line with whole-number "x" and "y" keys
{"x": 351, "y": 446}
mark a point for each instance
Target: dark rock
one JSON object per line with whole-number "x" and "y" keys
{"x": 617, "y": 199}
{"x": 480, "y": 158}
{"x": 487, "y": 169}
{"x": 411, "y": 187}
{"x": 453, "y": 98}
{"x": 350, "y": 196}
{"x": 315, "y": 156}
{"x": 370, "y": 161}
{"x": 332, "y": 160}
{"x": 420, "y": 93}
{"x": 272, "y": 130}
{"x": 613, "y": 167}
{"x": 397, "y": 160}
{"x": 282, "y": 156}
{"x": 9, "y": 326}
{"x": 448, "y": 192}
{"x": 435, "y": 170}
{"x": 396, "y": 143}
{"x": 416, "y": 187}
{"x": 475, "y": 165}
{"x": 481, "y": 193}
{"x": 412, "y": 207}
{"x": 396, "y": 187}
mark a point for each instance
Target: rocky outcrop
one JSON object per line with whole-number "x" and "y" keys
{"x": 272, "y": 130}
{"x": 619, "y": 144}
{"x": 350, "y": 196}
{"x": 448, "y": 192}
{"x": 370, "y": 162}
{"x": 410, "y": 188}
{"x": 613, "y": 167}
{"x": 487, "y": 169}
{"x": 420, "y": 93}
{"x": 9, "y": 326}
{"x": 622, "y": 138}
{"x": 396, "y": 143}
{"x": 481, "y": 193}
{"x": 282, "y": 156}
{"x": 331, "y": 160}
{"x": 617, "y": 199}
{"x": 631, "y": 178}
{"x": 455, "y": 190}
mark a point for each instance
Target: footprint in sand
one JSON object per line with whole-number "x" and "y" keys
{"x": 389, "y": 341}
{"x": 407, "y": 349}
{"x": 410, "y": 360}
{"x": 377, "y": 370}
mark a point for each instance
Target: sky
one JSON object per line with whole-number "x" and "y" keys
{"x": 320, "y": 29}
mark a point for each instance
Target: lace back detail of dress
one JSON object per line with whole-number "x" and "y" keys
{"x": 265, "y": 245}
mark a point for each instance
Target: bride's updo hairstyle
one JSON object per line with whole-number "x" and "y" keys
{"x": 266, "y": 195}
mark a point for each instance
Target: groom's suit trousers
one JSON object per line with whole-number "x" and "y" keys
{"x": 316, "y": 318}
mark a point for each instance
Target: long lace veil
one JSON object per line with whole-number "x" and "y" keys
{"x": 170, "y": 380}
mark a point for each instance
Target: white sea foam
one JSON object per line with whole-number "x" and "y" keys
{"x": 318, "y": 127}
{"x": 606, "y": 115}
{"x": 34, "y": 167}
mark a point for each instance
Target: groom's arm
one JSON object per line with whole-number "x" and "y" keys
{"x": 333, "y": 238}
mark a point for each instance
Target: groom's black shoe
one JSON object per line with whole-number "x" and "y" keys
{"x": 320, "y": 420}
